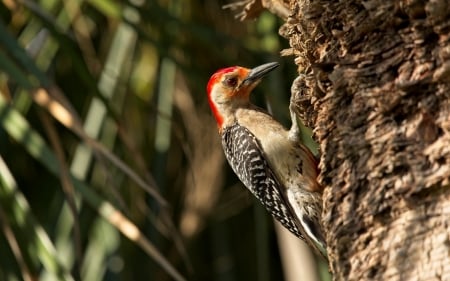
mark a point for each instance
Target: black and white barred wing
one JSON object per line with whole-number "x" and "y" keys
{"x": 246, "y": 158}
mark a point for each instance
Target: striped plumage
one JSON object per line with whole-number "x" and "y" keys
{"x": 279, "y": 170}
{"x": 243, "y": 153}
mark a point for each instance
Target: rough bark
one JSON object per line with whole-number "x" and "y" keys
{"x": 377, "y": 94}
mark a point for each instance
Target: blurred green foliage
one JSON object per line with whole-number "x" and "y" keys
{"x": 110, "y": 163}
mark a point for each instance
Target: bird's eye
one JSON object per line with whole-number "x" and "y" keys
{"x": 231, "y": 81}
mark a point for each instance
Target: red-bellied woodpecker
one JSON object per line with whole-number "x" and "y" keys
{"x": 270, "y": 160}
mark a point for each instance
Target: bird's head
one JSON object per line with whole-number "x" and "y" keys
{"x": 229, "y": 88}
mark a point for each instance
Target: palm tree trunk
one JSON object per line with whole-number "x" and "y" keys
{"x": 376, "y": 92}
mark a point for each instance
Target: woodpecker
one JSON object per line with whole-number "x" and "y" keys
{"x": 267, "y": 158}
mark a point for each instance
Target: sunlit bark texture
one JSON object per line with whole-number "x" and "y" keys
{"x": 377, "y": 94}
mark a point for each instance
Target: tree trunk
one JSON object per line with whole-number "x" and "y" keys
{"x": 377, "y": 94}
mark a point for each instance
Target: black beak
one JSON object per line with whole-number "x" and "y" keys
{"x": 259, "y": 72}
